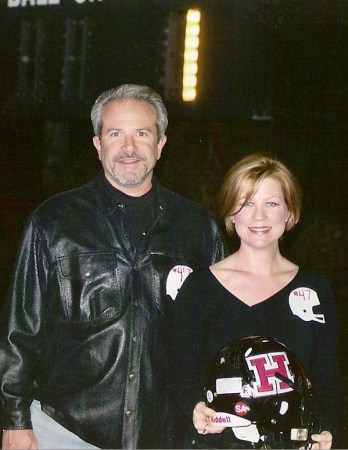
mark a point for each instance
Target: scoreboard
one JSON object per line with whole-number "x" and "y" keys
{"x": 58, "y": 55}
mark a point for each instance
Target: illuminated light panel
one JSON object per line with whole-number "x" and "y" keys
{"x": 191, "y": 53}
{"x": 191, "y": 68}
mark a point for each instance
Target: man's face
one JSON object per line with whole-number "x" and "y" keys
{"x": 128, "y": 147}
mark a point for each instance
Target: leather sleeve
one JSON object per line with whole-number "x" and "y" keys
{"x": 21, "y": 327}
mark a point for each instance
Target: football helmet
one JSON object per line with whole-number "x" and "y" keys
{"x": 259, "y": 390}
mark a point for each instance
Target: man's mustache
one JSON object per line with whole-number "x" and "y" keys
{"x": 132, "y": 155}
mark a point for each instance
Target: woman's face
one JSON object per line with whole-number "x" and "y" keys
{"x": 262, "y": 220}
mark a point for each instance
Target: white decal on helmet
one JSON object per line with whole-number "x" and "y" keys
{"x": 302, "y": 301}
{"x": 175, "y": 279}
{"x": 210, "y": 396}
{"x": 265, "y": 367}
{"x": 229, "y": 385}
{"x": 229, "y": 420}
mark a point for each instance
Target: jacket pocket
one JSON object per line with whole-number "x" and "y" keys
{"x": 89, "y": 286}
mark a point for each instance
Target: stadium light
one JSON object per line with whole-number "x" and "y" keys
{"x": 191, "y": 54}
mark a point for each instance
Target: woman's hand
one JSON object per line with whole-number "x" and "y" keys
{"x": 323, "y": 440}
{"x": 202, "y": 416}
{"x": 23, "y": 439}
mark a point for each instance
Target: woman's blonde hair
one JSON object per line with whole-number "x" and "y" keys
{"x": 249, "y": 172}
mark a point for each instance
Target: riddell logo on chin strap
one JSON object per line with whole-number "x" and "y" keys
{"x": 265, "y": 367}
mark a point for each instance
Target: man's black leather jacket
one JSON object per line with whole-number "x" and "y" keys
{"x": 86, "y": 325}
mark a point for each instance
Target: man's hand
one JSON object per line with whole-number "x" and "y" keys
{"x": 19, "y": 439}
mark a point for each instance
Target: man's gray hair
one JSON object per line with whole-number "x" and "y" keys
{"x": 130, "y": 92}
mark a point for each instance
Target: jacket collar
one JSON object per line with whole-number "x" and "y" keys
{"x": 112, "y": 199}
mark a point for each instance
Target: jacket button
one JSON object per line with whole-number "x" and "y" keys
{"x": 134, "y": 339}
{"x": 131, "y": 377}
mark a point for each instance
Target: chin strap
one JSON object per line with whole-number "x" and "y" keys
{"x": 249, "y": 433}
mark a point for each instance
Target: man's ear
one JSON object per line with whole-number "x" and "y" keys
{"x": 97, "y": 145}
{"x": 160, "y": 146}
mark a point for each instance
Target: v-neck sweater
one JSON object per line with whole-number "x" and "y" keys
{"x": 207, "y": 316}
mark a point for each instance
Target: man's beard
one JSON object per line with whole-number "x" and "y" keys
{"x": 132, "y": 179}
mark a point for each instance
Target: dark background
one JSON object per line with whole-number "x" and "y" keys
{"x": 272, "y": 78}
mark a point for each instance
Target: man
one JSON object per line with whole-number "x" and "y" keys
{"x": 85, "y": 334}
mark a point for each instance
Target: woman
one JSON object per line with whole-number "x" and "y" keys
{"x": 255, "y": 291}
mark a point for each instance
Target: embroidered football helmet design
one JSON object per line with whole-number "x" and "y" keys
{"x": 302, "y": 301}
{"x": 260, "y": 390}
{"x": 175, "y": 279}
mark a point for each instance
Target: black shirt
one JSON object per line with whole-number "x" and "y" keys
{"x": 137, "y": 212}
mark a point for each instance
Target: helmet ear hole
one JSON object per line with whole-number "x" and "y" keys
{"x": 260, "y": 380}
